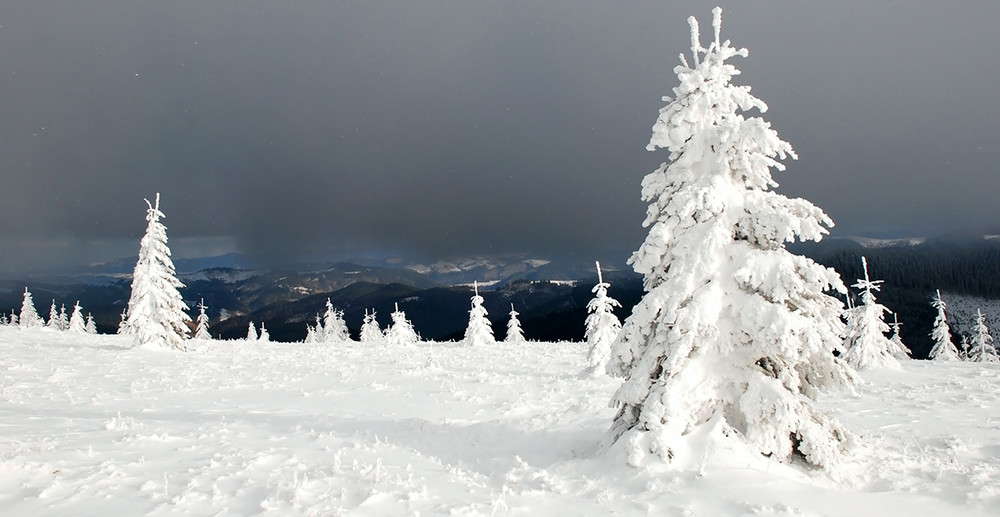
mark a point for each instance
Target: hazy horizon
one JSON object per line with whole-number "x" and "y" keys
{"x": 443, "y": 129}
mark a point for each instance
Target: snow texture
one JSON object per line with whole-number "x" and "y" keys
{"x": 734, "y": 339}
{"x": 90, "y": 426}
{"x": 156, "y": 311}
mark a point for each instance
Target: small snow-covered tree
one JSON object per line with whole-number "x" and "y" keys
{"x": 63, "y": 317}
{"x": 602, "y": 327}
{"x": 13, "y": 319}
{"x": 401, "y": 331}
{"x": 201, "y": 331}
{"x": 29, "y": 318}
{"x": 313, "y": 331}
{"x": 734, "y": 337}
{"x": 479, "y": 330}
{"x": 943, "y": 349}
{"x": 91, "y": 326}
{"x": 77, "y": 323}
{"x": 514, "y": 333}
{"x": 53, "y": 322}
{"x": 265, "y": 336}
{"x": 251, "y": 332}
{"x": 156, "y": 311}
{"x": 334, "y": 329}
{"x": 899, "y": 349}
{"x": 865, "y": 345}
{"x": 982, "y": 350}
{"x": 123, "y": 324}
{"x": 370, "y": 331}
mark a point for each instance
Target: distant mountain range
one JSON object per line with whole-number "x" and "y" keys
{"x": 550, "y": 295}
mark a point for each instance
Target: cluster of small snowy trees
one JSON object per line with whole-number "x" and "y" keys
{"x": 58, "y": 320}
{"x": 981, "y": 348}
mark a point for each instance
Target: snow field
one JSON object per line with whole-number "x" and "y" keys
{"x": 89, "y": 426}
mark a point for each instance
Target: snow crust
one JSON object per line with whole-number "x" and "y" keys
{"x": 91, "y": 426}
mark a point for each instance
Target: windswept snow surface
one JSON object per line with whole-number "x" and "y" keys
{"x": 89, "y": 426}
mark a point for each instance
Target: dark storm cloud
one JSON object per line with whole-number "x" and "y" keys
{"x": 466, "y": 127}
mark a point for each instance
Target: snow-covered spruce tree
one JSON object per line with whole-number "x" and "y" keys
{"x": 265, "y": 336}
{"x": 122, "y": 325}
{"x": 29, "y": 318}
{"x": 76, "y": 321}
{"x": 91, "y": 326}
{"x": 514, "y": 333}
{"x": 982, "y": 350}
{"x": 943, "y": 349}
{"x": 401, "y": 331}
{"x": 479, "y": 330}
{"x": 251, "y": 332}
{"x": 53, "y": 322}
{"x": 602, "y": 327}
{"x": 334, "y": 329}
{"x": 156, "y": 311}
{"x": 865, "y": 344}
{"x": 201, "y": 331}
{"x": 734, "y": 337}
{"x": 63, "y": 318}
{"x": 899, "y": 350}
{"x": 370, "y": 331}
{"x": 312, "y": 335}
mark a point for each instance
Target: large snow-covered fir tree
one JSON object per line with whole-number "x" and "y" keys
{"x": 865, "y": 344}
{"x": 156, "y": 311}
{"x": 514, "y": 333}
{"x": 944, "y": 348}
{"x": 370, "y": 331}
{"x": 734, "y": 337}
{"x": 602, "y": 327}
{"x": 401, "y": 331}
{"x": 479, "y": 330}
{"x": 29, "y": 317}
{"x": 201, "y": 331}
{"x": 982, "y": 349}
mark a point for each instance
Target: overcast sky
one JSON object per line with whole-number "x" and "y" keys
{"x": 287, "y": 129}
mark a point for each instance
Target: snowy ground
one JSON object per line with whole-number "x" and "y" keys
{"x": 91, "y": 427}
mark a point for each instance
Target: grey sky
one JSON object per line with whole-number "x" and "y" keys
{"x": 440, "y": 127}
